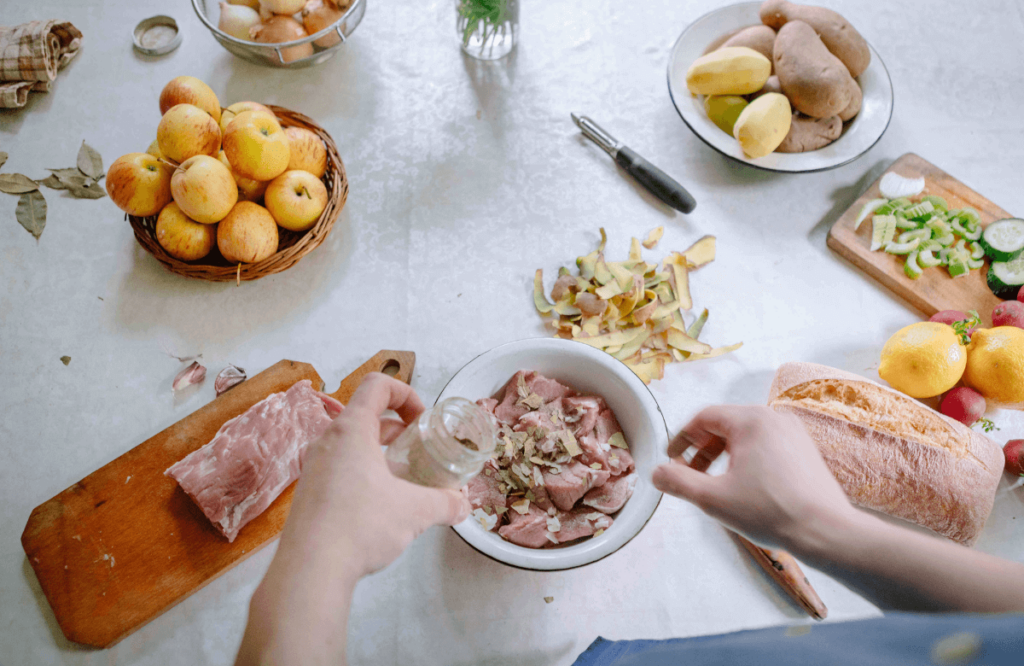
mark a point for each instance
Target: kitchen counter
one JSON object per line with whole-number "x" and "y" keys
{"x": 465, "y": 177}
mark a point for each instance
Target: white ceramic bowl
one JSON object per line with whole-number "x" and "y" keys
{"x": 859, "y": 135}
{"x": 589, "y": 371}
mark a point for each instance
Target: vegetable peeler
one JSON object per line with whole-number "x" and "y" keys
{"x": 659, "y": 183}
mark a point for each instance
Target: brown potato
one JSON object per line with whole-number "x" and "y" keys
{"x": 815, "y": 81}
{"x": 757, "y": 37}
{"x": 810, "y": 133}
{"x": 839, "y": 37}
{"x": 856, "y": 99}
{"x": 770, "y": 86}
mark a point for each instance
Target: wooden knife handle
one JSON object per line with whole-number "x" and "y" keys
{"x": 398, "y": 364}
{"x": 779, "y": 564}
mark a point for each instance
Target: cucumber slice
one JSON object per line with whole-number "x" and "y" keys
{"x": 910, "y": 268}
{"x": 936, "y": 201}
{"x": 977, "y": 251}
{"x": 902, "y": 248}
{"x": 920, "y": 234}
{"x": 882, "y": 231}
{"x": 926, "y": 258}
{"x": 1005, "y": 278}
{"x": 1003, "y": 240}
{"x": 869, "y": 208}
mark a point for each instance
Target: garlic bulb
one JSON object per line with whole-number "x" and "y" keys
{"x": 251, "y": 4}
{"x": 236, "y": 20}
{"x": 283, "y": 29}
{"x": 284, "y": 7}
{"x": 320, "y": 14}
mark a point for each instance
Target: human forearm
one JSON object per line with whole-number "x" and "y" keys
{"x": 901, "y": 568}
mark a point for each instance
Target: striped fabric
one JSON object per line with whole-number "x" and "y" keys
{"x": 31, "y": 54}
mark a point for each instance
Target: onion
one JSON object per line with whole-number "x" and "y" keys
{"x": 251, "y": 4}
{"x": 236, "y": 20}
{"x": 317, "y": 15}
{"x": 283, "y": 29}
{"x": 282, "y": 7}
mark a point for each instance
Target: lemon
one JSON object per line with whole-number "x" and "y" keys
{"x": 923, "y": 359}
{"x": 995, "y": 364}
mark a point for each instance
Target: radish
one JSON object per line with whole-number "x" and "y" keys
{"x": 1009, "y": 313}
{"x": 964, "y": 405}
{"x": 1014, "y": 452}
{"x": 951, "y": 317}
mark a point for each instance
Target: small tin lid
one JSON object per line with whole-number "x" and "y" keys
{"x": 156, "y": 36}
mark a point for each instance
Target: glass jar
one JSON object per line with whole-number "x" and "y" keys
{"x": 488, "y": 29}
{"x": 446, "y": 446}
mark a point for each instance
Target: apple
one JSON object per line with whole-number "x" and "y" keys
{"x": 963, "y": 404}
{"x": 307, "y": 151}
{"x": 154, "y": 149}
{"x": 256, "y": 146}
{"x": 189, "y": 90}
{"x": 248, "y": 189}
{"x": 204, "y": 189}
{"x": 248, "y": 233}
{"x": 1014, "y": 453}
{"x": 228, "y": 114}
{"x": 182, "y": 237}
{"x": 296, "y": 199}
{"x": 186, "y": 131}
{"x": 139, "y": 184}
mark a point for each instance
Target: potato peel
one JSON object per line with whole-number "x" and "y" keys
{"x": 642, "y": 322}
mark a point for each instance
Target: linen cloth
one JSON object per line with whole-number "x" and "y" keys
{"x": 31, "y": 54}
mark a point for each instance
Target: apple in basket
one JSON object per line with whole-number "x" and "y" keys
{"x": 248, "y": 189}
{"x": 204, "y": 189}
{"x": 248, "y": 234}
{"x": 139, "y": 184}
{"x": 256, "y": 146}
{"x": 181, "y": 237}
{"x": 307, "y": 151}
{"x": 228, "y": 114}
{"x": 186, "y": 131}
{"x": 296, "y": 199}
{"x": 189, "y": 90}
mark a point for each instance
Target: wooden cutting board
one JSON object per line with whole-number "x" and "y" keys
{"x": 125, "y": 543}
{"x": 934, "y": 290}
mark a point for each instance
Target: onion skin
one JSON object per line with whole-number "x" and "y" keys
{"x": 283, "y": 29}
{"x": 282, "y": 7}
{"x": 251, "y": 4}
{"x": 237, "y": 20}
{"x": 319, "y": 14}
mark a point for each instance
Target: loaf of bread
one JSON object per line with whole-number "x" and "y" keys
{"x": 891, "y": 453}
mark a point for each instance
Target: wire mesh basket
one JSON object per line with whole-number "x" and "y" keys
{"x": 324, "y": 43}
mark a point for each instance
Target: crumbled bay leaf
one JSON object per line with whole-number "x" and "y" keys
{"x": 31, "y": 212}
{"x": 53, "y": 182}
{"x": 3, "y": 158}
{"x": 16, "y": 183}
{"x": 65, "y": 360}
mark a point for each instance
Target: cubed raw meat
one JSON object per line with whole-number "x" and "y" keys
{"x": 579, "y": 523}
{"x": 612, "y": 495}
{"x": 572, "y": 483}
{"x": 529, "y": 529}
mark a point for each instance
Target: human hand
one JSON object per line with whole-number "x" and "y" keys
{"x": 348, "y": 504}
{"x": 777, "y": 490}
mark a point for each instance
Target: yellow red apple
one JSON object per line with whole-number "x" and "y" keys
{"x": 204, "y": 189}
{"x": 181, "y": 237}
{"x": 248, "y": 234}
{"x": 248, "y": 189}
{"x": 228, "y": 114}
{"x": 256, "y": 146}
{"x": 189, "y": 90}
{"x": 139, "y": 184}
{"x": 307, "y": 151}
{"x": 154, "y": 149}
{"x": 296, "y": 199}
{"x": 186, "y": 131}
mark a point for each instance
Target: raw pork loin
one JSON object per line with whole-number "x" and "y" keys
{"x": 561, "y": 465}
{"x": 254, "y": 456}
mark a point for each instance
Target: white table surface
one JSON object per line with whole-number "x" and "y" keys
{"x": 465, "y": 177}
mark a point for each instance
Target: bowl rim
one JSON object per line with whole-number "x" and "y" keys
{"x": 559, "y": 342}
{"x": 334, "y": 27}
{"x": 677, "y": 105}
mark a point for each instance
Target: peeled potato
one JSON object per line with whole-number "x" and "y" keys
{"x": 733, "y": 70}
{"x": 763, "y": 124}
{"x": 723, "y": 110}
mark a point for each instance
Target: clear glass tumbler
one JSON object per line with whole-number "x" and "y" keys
{"x": 488, "y": 29}
{"x": 446, "y": 446}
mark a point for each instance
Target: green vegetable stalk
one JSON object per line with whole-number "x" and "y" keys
{"x": 493, "y": 14}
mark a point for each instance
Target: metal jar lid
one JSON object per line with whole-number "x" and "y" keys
{"x": 156, "y": 36}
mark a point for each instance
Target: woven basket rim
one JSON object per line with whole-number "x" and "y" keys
{"x": 337, "y": 186}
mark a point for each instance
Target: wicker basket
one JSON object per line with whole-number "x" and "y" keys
{"x": 292, "y": 246}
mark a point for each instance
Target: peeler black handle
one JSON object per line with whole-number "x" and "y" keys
{"x": 654, "y": 179}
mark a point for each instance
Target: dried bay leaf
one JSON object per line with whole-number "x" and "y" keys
{"x": 79, "y": 185}
{"x": 3, "y": 158}
{"x": 53, "y": 182}
{"x": 89, "y": 161}
{"x": 16, "y": 183}
{"x": 65, "y": 174}
{"x": 31, "y": 212}
{"x": 65, "y": 360}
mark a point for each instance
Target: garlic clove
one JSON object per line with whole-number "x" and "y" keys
{"x": 228, "y": 378}
{"x": 193, "y": 374}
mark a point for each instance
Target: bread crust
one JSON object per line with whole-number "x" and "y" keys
{"x": 922, "y": 467}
